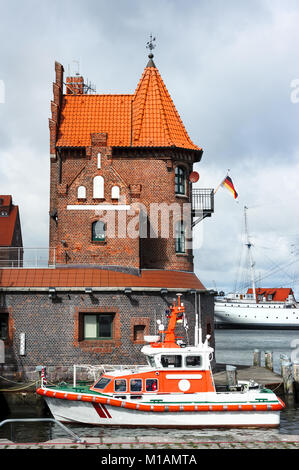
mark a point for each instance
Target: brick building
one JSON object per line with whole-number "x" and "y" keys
{"x": 121, "y": 216}
{"x": 11, "y": 244}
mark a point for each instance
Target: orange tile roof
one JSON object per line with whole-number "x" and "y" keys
{"x": 148, "y": 118}
{"x": 92, "y": 277}
{"x": 280, "y": 294}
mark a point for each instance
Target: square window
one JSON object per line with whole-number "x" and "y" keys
{"x": 98, "y": 326}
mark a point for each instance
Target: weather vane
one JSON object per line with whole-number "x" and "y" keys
{"x": 150, "y": 45}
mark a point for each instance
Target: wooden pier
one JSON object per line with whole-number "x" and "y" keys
{"x": 261, "y": 375}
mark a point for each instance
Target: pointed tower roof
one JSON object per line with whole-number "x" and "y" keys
{"x": 155, "y": 120}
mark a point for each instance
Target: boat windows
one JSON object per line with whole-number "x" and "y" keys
{"x": 102, "y": 383}
{"x": 193, "y": 361}
{"x": 168, "y": 360}
{"x": 136, "y": 385}
{"x": 151, "y": 385}
{"x": 120, "y": 385}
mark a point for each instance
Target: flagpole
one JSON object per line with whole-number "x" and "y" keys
{"x": 215, "y": 190}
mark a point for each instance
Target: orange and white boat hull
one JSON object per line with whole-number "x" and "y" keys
{"x": 98, "y": 410}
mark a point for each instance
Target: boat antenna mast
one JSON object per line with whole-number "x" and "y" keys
{"x": 251, "y": 262}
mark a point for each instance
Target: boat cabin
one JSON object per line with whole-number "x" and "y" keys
{"x": 172, "y": 367}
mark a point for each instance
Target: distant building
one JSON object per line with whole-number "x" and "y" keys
{"x": 11, "y": 244}
{"x": 280, "y": 294}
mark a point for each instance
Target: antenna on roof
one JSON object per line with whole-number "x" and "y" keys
{"x": 78, "y": 66}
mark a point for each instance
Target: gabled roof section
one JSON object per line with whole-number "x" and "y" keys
{"x": 148, "y": 118}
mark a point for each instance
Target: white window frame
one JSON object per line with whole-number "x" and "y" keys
{"x": 98, "y": 187}
{"x": 115, "y": 192}
{"x": 81, "y": 192}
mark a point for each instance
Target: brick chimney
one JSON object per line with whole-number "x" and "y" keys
{"x": 75, "y": 85}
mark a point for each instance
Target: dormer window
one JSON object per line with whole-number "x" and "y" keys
{"x": 180, "y": 180}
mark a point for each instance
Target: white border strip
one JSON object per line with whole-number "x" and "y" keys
{"x": 183, "y": 376}
{"x": 98, "y": 207}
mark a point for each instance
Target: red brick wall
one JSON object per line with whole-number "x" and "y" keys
{"x": 145, "y": 179}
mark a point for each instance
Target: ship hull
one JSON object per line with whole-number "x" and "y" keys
{"x": 212, "y": 409}
{"x": 255, "y": 316}
{"x": 105, "y": 415}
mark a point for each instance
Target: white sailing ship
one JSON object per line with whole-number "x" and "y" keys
{"x": 257, "y": 308}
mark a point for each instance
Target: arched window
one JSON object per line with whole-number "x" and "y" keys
{"x": 98, "y": 187}
{"x": 81, "y": 192}
{"x": 180, "y": 237}
{"x": 115, "y": 192}
{"x": 98, "y": 231}
{"x": 180, "y": 180}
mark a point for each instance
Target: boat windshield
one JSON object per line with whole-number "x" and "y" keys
{"x": 151, "y": 361}
{"x": 102, "y": 383}
{"x": 171, "y": 360}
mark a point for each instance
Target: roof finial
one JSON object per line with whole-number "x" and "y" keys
{"x": 150, "y": 45}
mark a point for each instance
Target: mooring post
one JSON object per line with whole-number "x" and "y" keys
{"x": 296, "y": 379}
{"x": 257, "y": 357}
{"x": 269, "y": 360}
{"x": 287, "y": 375}
{"x": 283, "y": 358}
{"x": 231, "y": 376}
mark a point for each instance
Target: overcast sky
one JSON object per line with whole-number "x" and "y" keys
{"x": 228, "y": 66}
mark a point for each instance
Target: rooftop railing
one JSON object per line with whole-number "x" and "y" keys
{"x": 18, "y": 257}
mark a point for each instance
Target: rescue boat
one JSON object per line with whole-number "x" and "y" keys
{"x": 175, "y": 389}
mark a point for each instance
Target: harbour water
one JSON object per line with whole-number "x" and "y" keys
{"x": 232, "y": 347}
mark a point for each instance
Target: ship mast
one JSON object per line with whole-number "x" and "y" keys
{"x": 249, "y": 245}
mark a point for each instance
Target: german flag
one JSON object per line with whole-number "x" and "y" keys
{"x": 229, "y": 185}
